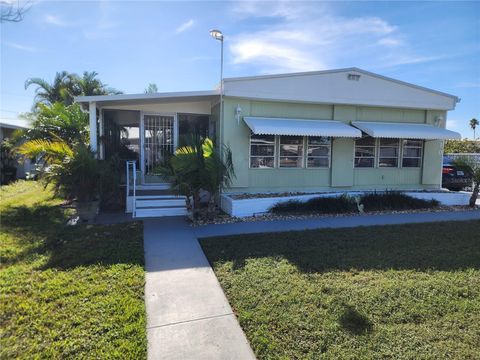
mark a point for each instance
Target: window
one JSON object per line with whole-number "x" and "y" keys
{"x": 318, "y": 151}
{"x": 262, "y": 151}
{"x": 388, "y": 153}
{"x": 412, "y": 153}
{"x": 291, "y": 151}
{"x": 365, "y": 152}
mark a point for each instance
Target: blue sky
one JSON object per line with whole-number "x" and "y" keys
{"x": 133, "y": 43}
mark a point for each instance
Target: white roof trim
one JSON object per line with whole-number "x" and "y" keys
{"x": 166, "y": 95}
{"x": 300, "y": 127}
{"x": 405, "y": 131}
{"x": 351, "y": 69}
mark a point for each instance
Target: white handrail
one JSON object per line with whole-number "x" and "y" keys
{"x": 133, "y": 166}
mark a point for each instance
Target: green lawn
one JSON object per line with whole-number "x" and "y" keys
{"x": 67, "y": 292}
{"x": 397, "y": 292}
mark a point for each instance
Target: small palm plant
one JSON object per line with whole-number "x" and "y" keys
{"x": 199, "y": 166}
{"x": 471, "y": 166}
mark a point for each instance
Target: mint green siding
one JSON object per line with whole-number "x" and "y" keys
{"x": 341, "y": 174}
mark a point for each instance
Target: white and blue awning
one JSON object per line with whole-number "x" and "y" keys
{"x": 300, "y": 127}
{"x": 405, "y": 131}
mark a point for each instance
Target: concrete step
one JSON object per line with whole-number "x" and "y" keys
{"x": 162, "y": 186}
{"x": 160, "y": 212}
{"x": 155, "y": 202}
{"x": 152, "y": 192}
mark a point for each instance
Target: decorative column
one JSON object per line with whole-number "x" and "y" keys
{"x": 93, "y": 125}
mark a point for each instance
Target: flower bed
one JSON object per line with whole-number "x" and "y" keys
{"x": 237, "y": 206}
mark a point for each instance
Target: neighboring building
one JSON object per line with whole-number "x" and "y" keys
{"x": 345, "y": 129}
{"x": 7, "y": 128}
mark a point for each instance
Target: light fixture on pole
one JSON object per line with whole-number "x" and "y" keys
{"x": 217, "y": 35}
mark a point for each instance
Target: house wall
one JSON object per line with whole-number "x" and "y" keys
{"x": 341, "y": 175}
{"x": 190, "y": 107}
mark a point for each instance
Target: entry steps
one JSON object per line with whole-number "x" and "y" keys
{"x": 157, "y": 202}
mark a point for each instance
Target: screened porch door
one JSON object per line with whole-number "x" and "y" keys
{"x": 159, "y": 138}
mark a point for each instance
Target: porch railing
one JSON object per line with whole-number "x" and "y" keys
{"x": 131, "y": 177}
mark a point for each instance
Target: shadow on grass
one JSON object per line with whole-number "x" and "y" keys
{"x": 354, "y": 322}
{"x": 42, "y": 230}
{"x": 429, "y": 246}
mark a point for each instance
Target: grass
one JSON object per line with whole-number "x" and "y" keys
{"x": 402, "y": 292}
{"x": 67, "y": 292}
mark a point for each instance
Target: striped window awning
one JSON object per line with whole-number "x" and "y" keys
{"x": 300, "y": 127}
{"x": 405, "y": 131}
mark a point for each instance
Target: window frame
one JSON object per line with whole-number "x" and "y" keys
{"x": 279, "y": 156}
{"x": 329, "y": 156}
{"x": 398, "y": 157}
{"x": 375, "y": 153}
{"x": 420, "y": 158}
{"x": 274, "y": 156}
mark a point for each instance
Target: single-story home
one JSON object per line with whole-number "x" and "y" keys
{"x": 335, "y": 130}
{"x": 13, "y": 168}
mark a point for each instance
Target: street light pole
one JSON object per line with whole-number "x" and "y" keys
{"x": 217, "y": 35}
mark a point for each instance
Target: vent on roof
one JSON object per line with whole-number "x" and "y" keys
{"x": 353, "y": 77}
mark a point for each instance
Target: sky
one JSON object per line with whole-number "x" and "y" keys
{"x": 435, "y": 44}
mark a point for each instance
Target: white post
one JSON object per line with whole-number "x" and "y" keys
{"x": 101, "y": 150}
{"x": 93, "y": 125}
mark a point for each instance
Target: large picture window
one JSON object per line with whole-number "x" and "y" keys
{"x": 318, "y": 151}
{"x": 365, "y": 152}
{"x": 388, "y": 153}
{"x": 262, "y": 151}
{"x": 412, "y": 153}
{"x": 291, "y": 151}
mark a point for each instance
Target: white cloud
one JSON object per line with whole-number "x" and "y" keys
{"x": 21, "y": 47}
{"x": 311, "y": 36}
{"x": 104, "y": 27}
{"x": 55, "y": 20}
{"x": 185, "y": 26}
{"x": 390, "y": 42}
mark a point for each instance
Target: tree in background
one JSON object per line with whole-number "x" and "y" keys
{"x": 60, "y": 90}
{"x": 66, "y": 86}
{"x": 470, "y": 165}
{"x": 462, "y": 146}
{"x": 90, "y": 85}
{"x": 473, "y": 124}
{"x": 13, "y": 11}
{"x": 58, "y": 121}
{"x": 151, "y": 88}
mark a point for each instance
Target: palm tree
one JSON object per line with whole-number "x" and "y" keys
{"x": 198, "y": 166}
{"x": 473, "y": 124}
{"x": 66, "y": 86}
{"x": 58, "y": 121}
{"x": 60, "y": 90}
{"x": 89, "y": 85}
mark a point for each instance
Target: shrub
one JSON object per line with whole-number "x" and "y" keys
{"x": 389, "y": 200}
{"x": 328, "y": 205}
{"x": 288, "y": 206}
{"x": 324, "y": 205}
{"x": 394, "y": 200}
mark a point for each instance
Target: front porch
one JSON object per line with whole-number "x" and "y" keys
{"x": 144, "y": 132}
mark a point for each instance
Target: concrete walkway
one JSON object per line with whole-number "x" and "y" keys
{"x": 188, "y": 315}
{"x": 331, "y": 222}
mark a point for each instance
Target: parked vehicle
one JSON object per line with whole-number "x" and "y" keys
{"x": 455, "y": 179}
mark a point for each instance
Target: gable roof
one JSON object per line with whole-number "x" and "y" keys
{"x": 350, "y": 86}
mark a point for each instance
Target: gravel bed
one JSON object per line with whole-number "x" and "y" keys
{"x": 227, "y": 219}
{"x": 287, "y": 194}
